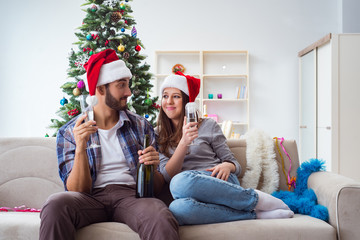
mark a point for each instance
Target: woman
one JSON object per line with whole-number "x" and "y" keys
{"x": 203, "y": 177}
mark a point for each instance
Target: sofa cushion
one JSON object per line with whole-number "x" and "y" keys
{"x": 19, "y": 225}
{"x": 29, "y": 172}
{"x": 15, "y": 225}
{"x": 108, "y": 230}
{"x": 298, "y": 227}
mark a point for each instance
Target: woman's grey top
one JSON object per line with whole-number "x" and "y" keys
{"x": 210, "y": 150}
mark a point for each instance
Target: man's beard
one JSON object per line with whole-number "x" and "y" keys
{"x": 112, "y": 103}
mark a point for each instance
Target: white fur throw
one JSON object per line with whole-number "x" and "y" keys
{"x": 260, "y": 157}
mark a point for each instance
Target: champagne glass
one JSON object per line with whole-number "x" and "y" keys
{"x": 86, "y": 108}
{"x": 191, "y": 113}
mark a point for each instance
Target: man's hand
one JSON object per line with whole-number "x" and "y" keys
{"x": 82, "y": 131}
{"x": 149, "y": 156}
{"x": 222, "y": 170}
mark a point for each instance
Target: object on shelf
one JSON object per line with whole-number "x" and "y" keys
{"x": 237, "y": 92}
{"x": 210, "y": 96}
{"x": 219, "y": 96}
{"x": 245, "y": 92}
{"x": 205, "y": 115}
{"x": 241, "y": 92}
{"x": 213, "y": 116}
{"x": 237, "y": 135}
{"x": 178, "y": 67}
{"x": 226, "y": 128}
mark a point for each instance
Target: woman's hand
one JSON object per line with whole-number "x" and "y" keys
{"x": 190, "y": 132}
{"x": 82, "y": 131}
{"x": 149, "y": 156}
{"x": 222, "y": 170}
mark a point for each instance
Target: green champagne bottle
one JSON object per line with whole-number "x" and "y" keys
{"x": 145, "y": 176}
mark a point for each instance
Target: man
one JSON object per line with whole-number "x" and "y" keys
{"x": 100, "y": 182}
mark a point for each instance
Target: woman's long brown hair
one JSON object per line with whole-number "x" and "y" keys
{"x": 170, "y": 135}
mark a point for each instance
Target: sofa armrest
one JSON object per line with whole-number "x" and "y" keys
{"x": 341, "y": 195}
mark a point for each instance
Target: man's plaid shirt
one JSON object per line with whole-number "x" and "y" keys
{"x": 130, "y": 134}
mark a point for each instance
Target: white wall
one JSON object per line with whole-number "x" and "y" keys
{"x": 37, "y": 36}
{"x": 350, "y": 16}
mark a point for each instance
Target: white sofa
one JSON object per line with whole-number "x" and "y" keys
{"x": 28, "y": 175}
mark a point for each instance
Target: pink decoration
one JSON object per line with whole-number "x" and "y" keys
{"x": 291, "y": 180}
{"x": 81, "y": 84}
{"x": 213, "y": 116}
{"x": 21, "y": 208}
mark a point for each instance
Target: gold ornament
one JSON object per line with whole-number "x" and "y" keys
{"x": 76, "y": 92}
{"x": 121, "y": 48}
{"x": 116, "y": 16}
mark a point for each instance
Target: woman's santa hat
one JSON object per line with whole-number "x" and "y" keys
{"x": 102, "y": 68}
{"x": 187, "y": 84}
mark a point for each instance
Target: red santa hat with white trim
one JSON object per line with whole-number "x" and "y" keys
{"x": 187, "y": 84}
{"x": 102, "y": 68}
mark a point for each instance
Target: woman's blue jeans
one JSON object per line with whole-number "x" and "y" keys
{"x": 202, "y": 199}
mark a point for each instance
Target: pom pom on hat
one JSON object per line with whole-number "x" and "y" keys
{"x": 91, "y": 100}
{"x": 102, "y": 68}
{"x": 187, "y": 84}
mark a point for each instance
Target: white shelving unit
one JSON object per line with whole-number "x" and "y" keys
{"x": 220, "y": 72}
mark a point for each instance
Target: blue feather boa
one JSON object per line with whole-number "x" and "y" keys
{"x": 304, "y": 200}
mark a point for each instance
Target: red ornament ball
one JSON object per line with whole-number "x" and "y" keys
{"x": 138, "y": 48}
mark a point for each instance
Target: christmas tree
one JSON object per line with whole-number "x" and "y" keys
{"x": 107, "y": 25}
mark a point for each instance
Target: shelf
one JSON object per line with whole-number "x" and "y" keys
{"x": 176, "y": 52}
{"x": 226, "y": 52}
{"x": 225, "y": 100}
{"x": 207, "y": 75}
{"x": 165, "y": 60}
{"x": 220, "y": 72}
{"x": 225, "y": 62}
{"x": 236, "y": 124}
{"x": 224, "y": 76}
{"x": 165, "y": 75}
